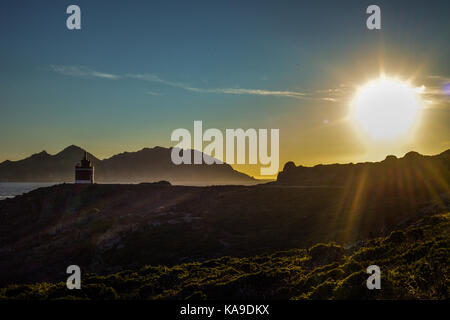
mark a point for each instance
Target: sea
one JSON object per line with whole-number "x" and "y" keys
{"x": 12, "y": 189}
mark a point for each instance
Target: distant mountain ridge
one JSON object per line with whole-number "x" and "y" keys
{"x": 154, "y": 164}
{"x": 413, "y": 168}
{"x": 145, "y": 165}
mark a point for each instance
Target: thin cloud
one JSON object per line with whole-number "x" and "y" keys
{"x": 154, "y": 78}
{"x": 75, "y": 71}
{"x": 329, "y": 99}
{"x": 332, "y": 94}
{"x": 234, "y": 91}
{"x": 433, "y": 92}
{"x": 259, "y": 92}
{"x": 436, "y": 86}
{"x": 439, "y": 78}
{"x": 153, "y": 93}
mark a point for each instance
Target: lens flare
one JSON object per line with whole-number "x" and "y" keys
{"x": 446, "y": 89}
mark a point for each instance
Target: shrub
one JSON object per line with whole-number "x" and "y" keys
{"x": 396, "y": 237}
{"x": 99, "y": 292}
{"x": 326, "y": 253}
{"x": 322, "y": 292}
{"x": 353, "y": 287}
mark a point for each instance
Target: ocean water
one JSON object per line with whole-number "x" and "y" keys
{"x": 11, "y": 189}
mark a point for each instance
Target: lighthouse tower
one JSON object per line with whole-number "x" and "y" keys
{"x": 84, "y": 172}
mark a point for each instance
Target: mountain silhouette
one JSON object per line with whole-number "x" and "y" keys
{"x": 412, "y": 169}
{"x": 146, "y": 165}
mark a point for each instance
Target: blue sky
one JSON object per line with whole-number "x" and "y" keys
{"x": 139, "y": 69}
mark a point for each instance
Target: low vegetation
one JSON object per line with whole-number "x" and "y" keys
{"x": 414, "y": 263}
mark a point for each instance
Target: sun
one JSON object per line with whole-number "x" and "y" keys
{"x": 386, "y": 108}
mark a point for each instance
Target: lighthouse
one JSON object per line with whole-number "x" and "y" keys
{"x": 84, "y": 171}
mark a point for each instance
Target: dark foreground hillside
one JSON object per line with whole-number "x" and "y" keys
{"x": 414, "y": 264}
{"x": 111, "y": 228}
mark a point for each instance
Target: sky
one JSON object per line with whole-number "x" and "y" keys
{"x": 137, "y": 70}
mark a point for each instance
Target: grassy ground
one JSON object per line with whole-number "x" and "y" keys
{"x": 414, "y": 264}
